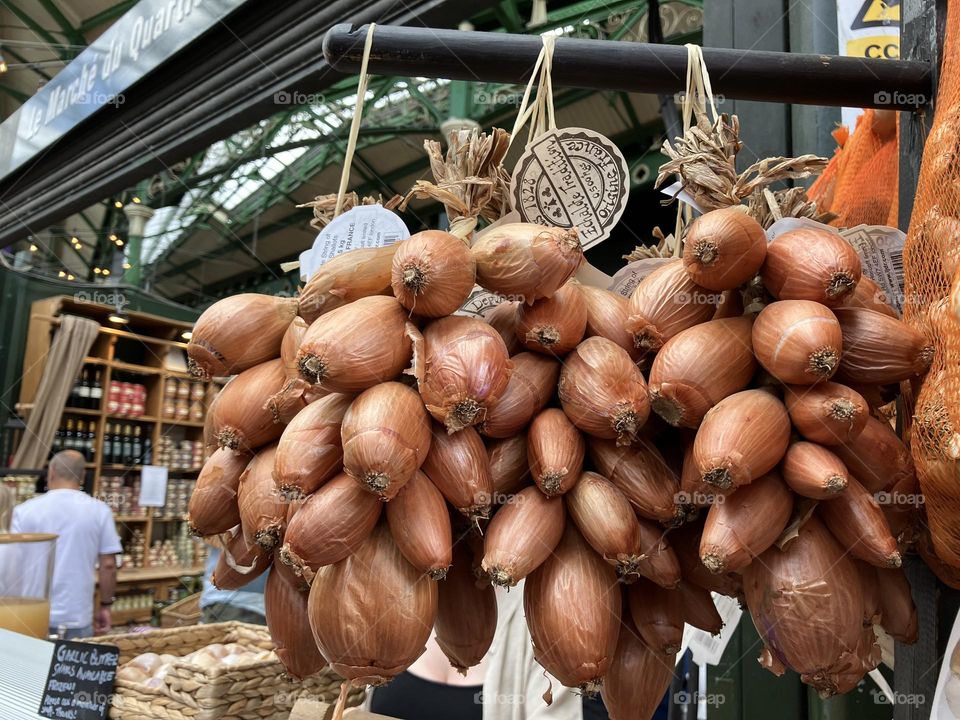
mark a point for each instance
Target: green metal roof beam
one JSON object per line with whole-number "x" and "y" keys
{"x": 15, "y": 94}
{"x": 105, "y": 16}
{"x": 60, "y": 19}
{"x": 37, "y": 29}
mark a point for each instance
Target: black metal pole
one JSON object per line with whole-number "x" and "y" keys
{"x": 633, "y": 67}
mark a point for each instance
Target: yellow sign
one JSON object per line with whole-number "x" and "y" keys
{"x": 881, "y": 47}
{"x": 877, "y": 12}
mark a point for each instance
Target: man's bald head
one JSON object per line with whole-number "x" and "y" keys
{"x": 65, "y": 470}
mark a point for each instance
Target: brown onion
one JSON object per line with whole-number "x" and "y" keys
{"x": 745, "y": 524}
{"x": 433, "y": 273}
{"x": 607, "y": 317}
{"x": 871, "y": 593}
{"x": 693, "y": 490}
{"x": 658, "y": 561}
{"x": 420, "y": 526}
{"x": 356, "y": 346}
{"x": 685, "y": 541}
{"x": 603, "y": 392}
{"x": 467, "y": 613}
{"x": 331, "y": 524}
{"x": 347, "y": 277}
{"x": 898, "y": 614}
{"x": 503, "y": 319}
{"x": 290, "y": 345}
{"x": 263, "y": 511}
{"x": 742, "y": 437}
{"x": 553, "y": 326}
{"x": 372, "y": 613}
{"x": 797, "y": 341}
{"x": 466, "y": 369}
{"x": 724, "y": 248}
{"x": 666, "y": 302}
{"x": 572, "y": 605}
{"x": 640, "y": 473}
{"x": 605, "y": 519}
{"x": 880, "y": 349}
{"x": 213, "y": 505}
{"x": 869, "y": 295}
{"x": 698, "y": 607}
{"x": 813, "y": 471}
{"x": 807, "y": 604}
{"x": 827, "y": 413}
{"x": 386, "y": 437}
{"x": 811, "y": 264}
{"x": 856, "y": 520}
{"x": 555, "y": 449}
{"x": 525, "y": 261}
{"x": 241, "y": 418}
{"x": 310, "y": 452}
{"x": 532, "y": 382}
{"x": 457, "y": 464}
{"x": 239, "y": 564}
{"x": 699, "y": 367}
{"x": 509, "y": 469}
{"x": 285, "y": 600}
{"x": 877, "y": 457}
{"x": 657, "y": 615}
{"x": 638, "y": 678}
{"x": 730, "y": 305}
{"x": 522, "y": 534}
{"x": 237, "y": 333}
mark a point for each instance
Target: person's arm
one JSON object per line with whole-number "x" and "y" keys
{"x": 108, "y": 586}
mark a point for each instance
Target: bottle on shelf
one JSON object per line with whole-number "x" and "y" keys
{"x": 73, "y": 400}
{"x": 127, "y": 446}
{"x": 96, "y": 389}
{"x": 69, "y": 442}
{"x": 137, "y": 447}
{"x": 147, "y": 450}
{"x": 57, "y": 444}
{"x": 91, "y": 441}
{"x": 83, "y": 391}
{"x": 80, "y": 439}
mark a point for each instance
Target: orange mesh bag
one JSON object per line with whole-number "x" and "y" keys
{"x": 930, "y": 263}
{"x": 824, "y": 187}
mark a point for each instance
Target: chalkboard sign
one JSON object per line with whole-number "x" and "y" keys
{"x": 80, "y": 681}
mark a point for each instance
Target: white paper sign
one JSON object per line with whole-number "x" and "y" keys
{"x": 870, "y": 29}
{"x": 153, "y": 486}
{"x": 707, "y": 648}
{"x": 676, "y": 191}
{"x": 946, "y": 698}
{"x": 632, "y": 274}
{"x": 365, "y": 226}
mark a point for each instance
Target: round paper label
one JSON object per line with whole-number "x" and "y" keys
{"x": 572, "y": 177}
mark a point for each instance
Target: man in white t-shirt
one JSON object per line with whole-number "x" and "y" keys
{"x": 86, "y": 534}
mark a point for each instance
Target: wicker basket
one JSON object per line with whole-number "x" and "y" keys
{"x": 182, "y": 612}
{"x": 256, "y": 691}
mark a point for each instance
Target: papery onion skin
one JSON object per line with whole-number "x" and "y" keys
{"x": 898, "y": 614}
{"x": 638, "y": 677}
{"x": 693, "y": 490}
{"x": 658, "y": 561}
{"x": 532, "y": 382}
{"x": 503, "y": 319}
{"x": 372, "y": 613}
{"x": 807, "y": 604}
{"x": 356, "y": 346}
{"x": 525, "y": 261}
{"x": 433, "y": 273}
{"x": 730, "y": 305}
{"x": 263, "y": 511}
{"x": 745, "y": 524}
{"x": 290, "y": 345}
{"x": 603, "y": 392}
{"x": 213, "y": 507}
{"x": 420, "y": 526}
{"x": 798, "y": 341}
{"x": 827, "y": 413}
{"x": 742, "y": 437}
{"x": 347, "y": 277}
{"x": 331, "y": 524}
{"x": 605, "y": 519}
{"x": 871, "y": 593}
{"x": 458, "y": 466}
{"x": 466, "y": 368}
{"x": 285, "y": 601}
{"x": 724, "y": 248}
{"x": 640, "y": 473}
{"x": 310, "y": 450}
{"x": 607, "y": 318}
{"x": 869, "y": 295}
{"x": 555, "y": 449}
{"x": 386, "y": 437}
{"x": 685, "y": 542}
{"x": 879, "y": 349}
{"x": 665, "y": 303}
{"x": 253, "y": 559}
{"x": 699, "y": 367}
{"x": 699, "y": 609}
{"x": 240, "y": 416}
{"x": 467, "y": 614}
{"x": 813, "y": 471}
{"x": 811, "y": 264}
{"x": 657, "y": 615}
{"x": 509, "y": 469}
{"x": 572, "y": 604}
{"x": 877, "y": 457}
{"x": 521, "y": 536}
{"x": 237, "y": 333}
{"x": 555, "y": 325}
{"x": 856, "y": 520}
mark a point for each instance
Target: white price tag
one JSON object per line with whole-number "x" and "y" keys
{"x": 707, "y": 648}
{"x": 153, "y": 486}
{"x": 632, "y": 274}
{"x": 676, "y": 191}
{"x": 365, "y": 226}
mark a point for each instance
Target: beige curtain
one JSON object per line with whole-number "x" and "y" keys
{"x": 70, "y": 346}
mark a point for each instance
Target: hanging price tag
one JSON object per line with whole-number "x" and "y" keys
{"x": 365, "y": 226}
{"x": 572, "y": 177}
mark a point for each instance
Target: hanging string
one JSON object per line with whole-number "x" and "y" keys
{"x": 355, "y": 123}
{"x": 540, "y": 113}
